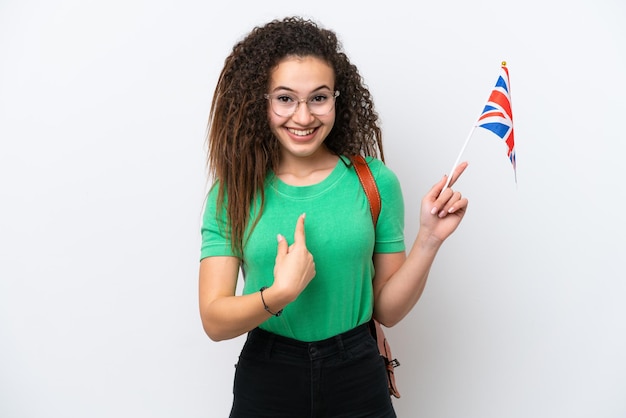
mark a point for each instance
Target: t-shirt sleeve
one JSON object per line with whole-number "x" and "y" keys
{"x": 390, "y": 227}
{"x": 214, "y": 232}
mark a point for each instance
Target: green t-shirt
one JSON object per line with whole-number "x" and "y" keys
{"x": 339, "y": 234}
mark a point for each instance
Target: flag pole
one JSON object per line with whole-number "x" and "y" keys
{"x": 459, "y": 157}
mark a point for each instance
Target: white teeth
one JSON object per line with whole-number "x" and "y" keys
{"x": 301, "y": 133}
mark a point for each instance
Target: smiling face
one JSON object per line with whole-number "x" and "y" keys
{"x": 302, "y": 134}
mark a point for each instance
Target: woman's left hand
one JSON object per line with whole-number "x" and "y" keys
{"x": 442, "y": 210}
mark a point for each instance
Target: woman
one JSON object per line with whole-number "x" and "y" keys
{"x": 288, "y": 110}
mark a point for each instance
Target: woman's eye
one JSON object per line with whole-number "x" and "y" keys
{"x": 284, "y": 99}
{"x": 319, "y": 98}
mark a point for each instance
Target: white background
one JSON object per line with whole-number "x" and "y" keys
{"x": 103, "y": 109}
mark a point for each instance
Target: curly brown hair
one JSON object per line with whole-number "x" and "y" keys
{"x": 241, "y": 147}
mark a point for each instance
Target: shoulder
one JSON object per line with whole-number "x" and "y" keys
{"x": 212, "y": 194}
{"x": 385, "y": 176}
{"x": 213, "y": 205}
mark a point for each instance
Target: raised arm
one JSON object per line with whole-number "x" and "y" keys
{"x": 400, "y": 280}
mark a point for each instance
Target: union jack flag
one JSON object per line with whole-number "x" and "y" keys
{"x": 497, "y": 116}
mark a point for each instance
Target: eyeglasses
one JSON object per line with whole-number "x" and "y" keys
{"x": 319, "y": 103}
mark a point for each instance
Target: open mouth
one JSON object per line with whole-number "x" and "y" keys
{"x": 301, "y": 132}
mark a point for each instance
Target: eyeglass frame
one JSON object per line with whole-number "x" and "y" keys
{"x": 269, "y": 96}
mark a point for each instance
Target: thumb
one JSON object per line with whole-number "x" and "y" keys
{"x": 283, "y": 247}
{"x": 299, "y": 235}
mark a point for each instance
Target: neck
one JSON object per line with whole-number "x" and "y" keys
{"x": 303, "y": 171}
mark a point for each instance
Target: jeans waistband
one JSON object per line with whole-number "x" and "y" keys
{"x": 311, "y": 350}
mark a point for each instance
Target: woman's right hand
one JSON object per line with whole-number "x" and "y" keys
{"x": 295, "y": 267}
{"x": 225, "y": 315}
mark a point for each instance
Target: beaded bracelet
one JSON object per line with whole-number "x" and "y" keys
{"x": 267, "y": 307}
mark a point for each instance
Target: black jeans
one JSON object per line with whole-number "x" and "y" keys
{"x": 343, "y": 376}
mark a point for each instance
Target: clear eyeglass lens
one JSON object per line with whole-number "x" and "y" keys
{"x": 319, "y": 104}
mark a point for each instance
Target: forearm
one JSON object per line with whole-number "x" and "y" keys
{"x": 228, "y": 317}
{"x": 399, "y": 294}
{"x": 231, "y": 316}
{"x": 225, "y": 315}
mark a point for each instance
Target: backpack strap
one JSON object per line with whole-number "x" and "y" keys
{"x": 369, "y": 185}
{"x": 368, "y": 182}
